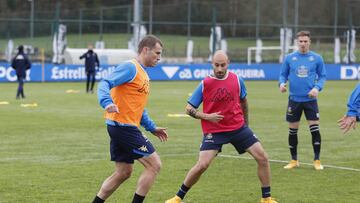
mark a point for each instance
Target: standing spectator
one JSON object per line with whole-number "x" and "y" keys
{"x": 353, "y": 114}
{"x": 305, "y": 71}
{"x": 91, "y": 62}
{"x": 20, "y": 63}
{"x": 124, "y": 95}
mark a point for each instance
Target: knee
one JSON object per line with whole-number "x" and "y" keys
{"x": 154, "y": 166}
{"x": 157, "y": 166}
{"x": 123, "y": 174}
{"x": 262, "y": 159}
{"x": 202, "y": 166}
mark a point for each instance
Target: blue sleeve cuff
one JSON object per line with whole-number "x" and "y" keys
{"x": 146, "y": 122}
{"x": 352, "y": 113}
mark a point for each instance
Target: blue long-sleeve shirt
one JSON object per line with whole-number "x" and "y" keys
{"x": 123, "y": 73}
{"x": 354, "y": 103}
{"x": 304, "y": 72}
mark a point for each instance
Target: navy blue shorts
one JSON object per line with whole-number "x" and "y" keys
{"x": 295, "y": 109}
{"x": 127, "y": 143}
{"x": 241, "y": 139}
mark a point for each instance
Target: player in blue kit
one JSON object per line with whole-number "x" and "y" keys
{"x": 353, "y": 114}
{"x": 305, "y": 71}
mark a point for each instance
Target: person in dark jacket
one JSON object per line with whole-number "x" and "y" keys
{"x": 91, "y": 62}
{"x": 20, "y": 63}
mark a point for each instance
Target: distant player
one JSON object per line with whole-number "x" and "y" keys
{"x": 21, "y": 64}
{"x": 353, "y": 114}
{"x": 91, "y": 62}
{"x": 224, "y": 120}
{"x": 305, "y": 71}
{"x": 124, "y": 95}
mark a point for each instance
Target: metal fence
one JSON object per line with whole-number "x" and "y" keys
{"x": 242, "y": 21}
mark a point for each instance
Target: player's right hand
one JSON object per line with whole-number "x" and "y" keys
{"x": 283, "y": 87}
{"x": 112, "y": 108}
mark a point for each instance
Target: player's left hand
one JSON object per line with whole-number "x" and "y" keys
{"x": 313, "y": 93}
{"x": 160, "y": 133}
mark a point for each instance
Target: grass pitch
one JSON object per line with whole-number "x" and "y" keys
{"x": 58, "y": 151}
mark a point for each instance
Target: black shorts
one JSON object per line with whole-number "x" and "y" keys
{"x": 127, "y": 143}
{"x": 295, "y": 109}
{"x": 241, "y": 139}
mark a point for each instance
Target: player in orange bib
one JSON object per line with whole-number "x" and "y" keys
{"x": 124, "y": 95}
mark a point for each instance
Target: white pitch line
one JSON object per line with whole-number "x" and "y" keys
{"x": 280, "y": 161}
{"x": 178, "y": 155}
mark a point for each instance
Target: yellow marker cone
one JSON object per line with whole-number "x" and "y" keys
{"x": 177, "y": 115}
{"x": 29, "y": 105}
{"x": 72, "y": 91}
{"x": 4, "y": 102}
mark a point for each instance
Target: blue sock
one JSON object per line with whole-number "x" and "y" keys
{"x": 265, "y": 192}
{"x": 182, "y": 191}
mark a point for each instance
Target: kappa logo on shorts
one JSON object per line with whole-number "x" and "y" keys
{"x": 143, "y": 148}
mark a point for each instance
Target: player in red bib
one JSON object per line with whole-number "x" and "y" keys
{"x": 224, "y": 120}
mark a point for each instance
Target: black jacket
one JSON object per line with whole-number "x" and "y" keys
{"x": 91, "y": 61}
{"x": 21, "y": 63}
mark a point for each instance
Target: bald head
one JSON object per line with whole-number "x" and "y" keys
{"x": 220, "y": 64}
{"x": 220, "y": 55}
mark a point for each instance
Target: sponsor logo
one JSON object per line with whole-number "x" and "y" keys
{"x": 349, "y": 72}
{"x": 188, "y": 73}
{"x": 9, "y": 74}
{"x": 170, "y": 70}
{"x": 58, "y": 73}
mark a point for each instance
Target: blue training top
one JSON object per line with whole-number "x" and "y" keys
{"x": 123, "y": 73}
{"x": 354, "y": 103}
{"x": 304, "y": 72}
{"x": 197, "y": 96}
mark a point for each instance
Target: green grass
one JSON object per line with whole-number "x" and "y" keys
{"x": 175, "y": 46}
{"x": 58, "y": 151}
